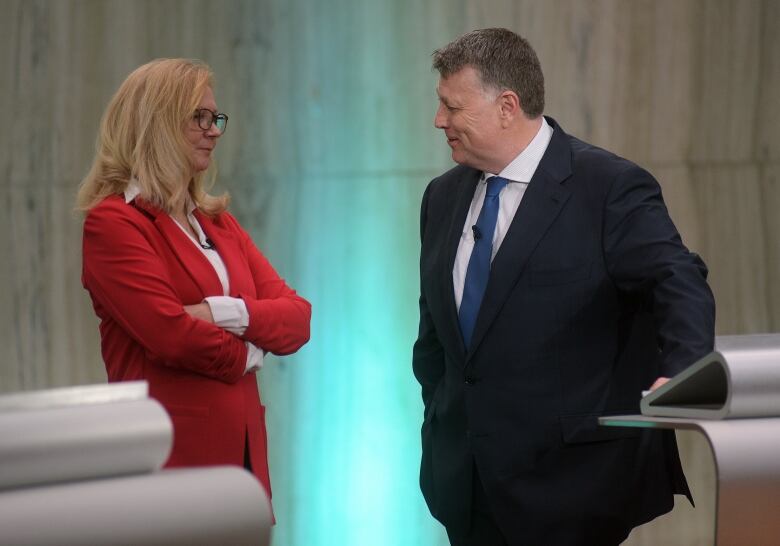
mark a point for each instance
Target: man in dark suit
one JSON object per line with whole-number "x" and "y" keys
{"x": 554, "y": 289}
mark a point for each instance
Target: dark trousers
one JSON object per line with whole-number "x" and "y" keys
{"x": 483, "y": 530}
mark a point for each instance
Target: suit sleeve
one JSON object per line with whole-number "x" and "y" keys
{"x": 128, "y": 280}
{"x": 645, "y": 255}
{"x": 279, "y": 319}
{"x": 427, "y": 353}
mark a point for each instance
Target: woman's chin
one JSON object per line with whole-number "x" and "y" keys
{"x": 200, "y": 166}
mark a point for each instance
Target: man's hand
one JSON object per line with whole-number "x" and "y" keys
{"x": 200, "y": 311}
{"x": 658, "y": 382}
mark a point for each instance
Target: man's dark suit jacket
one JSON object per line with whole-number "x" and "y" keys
{"x": 591, "y": 297}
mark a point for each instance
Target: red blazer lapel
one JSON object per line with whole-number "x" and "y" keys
{"x": 191, "y": 258}
{"x": 229, "y": 248}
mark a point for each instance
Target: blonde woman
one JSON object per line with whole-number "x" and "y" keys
{"x": 185, "y": 299}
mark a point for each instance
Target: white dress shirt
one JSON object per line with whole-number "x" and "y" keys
{"x": 229, "y": 313}
{"x": 518, "y": 173}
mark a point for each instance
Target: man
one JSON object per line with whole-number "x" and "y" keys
{"x": 551, "y": 294}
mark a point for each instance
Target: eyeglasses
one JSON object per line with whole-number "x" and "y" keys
{"x": 206, "y": 118}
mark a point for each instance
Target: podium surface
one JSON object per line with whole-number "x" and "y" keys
{"x": 747, "y": 466}
{"x": 732, "y": 397}
{"x": 82, "y": 466}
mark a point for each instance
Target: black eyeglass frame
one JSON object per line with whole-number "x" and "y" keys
{"x": 216, "y": 117}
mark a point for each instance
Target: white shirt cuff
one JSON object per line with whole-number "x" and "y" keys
{"x": 254, "y": 358}
{"x": 229, "y": 313}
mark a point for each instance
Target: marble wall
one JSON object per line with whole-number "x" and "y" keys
{"x": 331, "y": 106}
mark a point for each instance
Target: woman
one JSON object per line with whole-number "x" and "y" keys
{"x": 185, "y": 299}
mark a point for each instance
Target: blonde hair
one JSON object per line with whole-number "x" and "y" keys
{"x": 142, "y": 136}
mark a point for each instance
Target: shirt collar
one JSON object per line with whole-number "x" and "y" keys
{"x": 522, "y": 167}
{"x": 133, "y": 190}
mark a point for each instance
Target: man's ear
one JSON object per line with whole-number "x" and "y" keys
{"x": 509, "y": 105}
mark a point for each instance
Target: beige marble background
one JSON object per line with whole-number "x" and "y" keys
{"x": 687, "y": 88}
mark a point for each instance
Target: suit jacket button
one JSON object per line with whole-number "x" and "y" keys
{"x": 470, "y": 380}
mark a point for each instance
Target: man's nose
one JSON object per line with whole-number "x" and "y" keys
{"x": 440, "y": 119}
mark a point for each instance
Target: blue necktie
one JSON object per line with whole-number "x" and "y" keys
{"x": 479, "y": 264}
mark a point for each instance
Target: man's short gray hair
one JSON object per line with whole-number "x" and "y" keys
{"x": 503, "y": 59}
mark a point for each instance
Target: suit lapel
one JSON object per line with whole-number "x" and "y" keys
{"x": 542, "y": 202}
{"x": 466, "y": 186}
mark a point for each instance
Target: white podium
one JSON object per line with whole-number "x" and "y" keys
{"x": 81, "y": 466}
{"x": 732, "y": 397}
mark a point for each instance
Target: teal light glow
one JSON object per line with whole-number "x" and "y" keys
{"x": 355, "y": 450}
{"x": 350, "y": 113}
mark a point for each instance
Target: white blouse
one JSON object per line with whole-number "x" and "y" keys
{"x": 229, "y": 313}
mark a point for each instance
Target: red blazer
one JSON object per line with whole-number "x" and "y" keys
{"x": 140, "y": 269}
